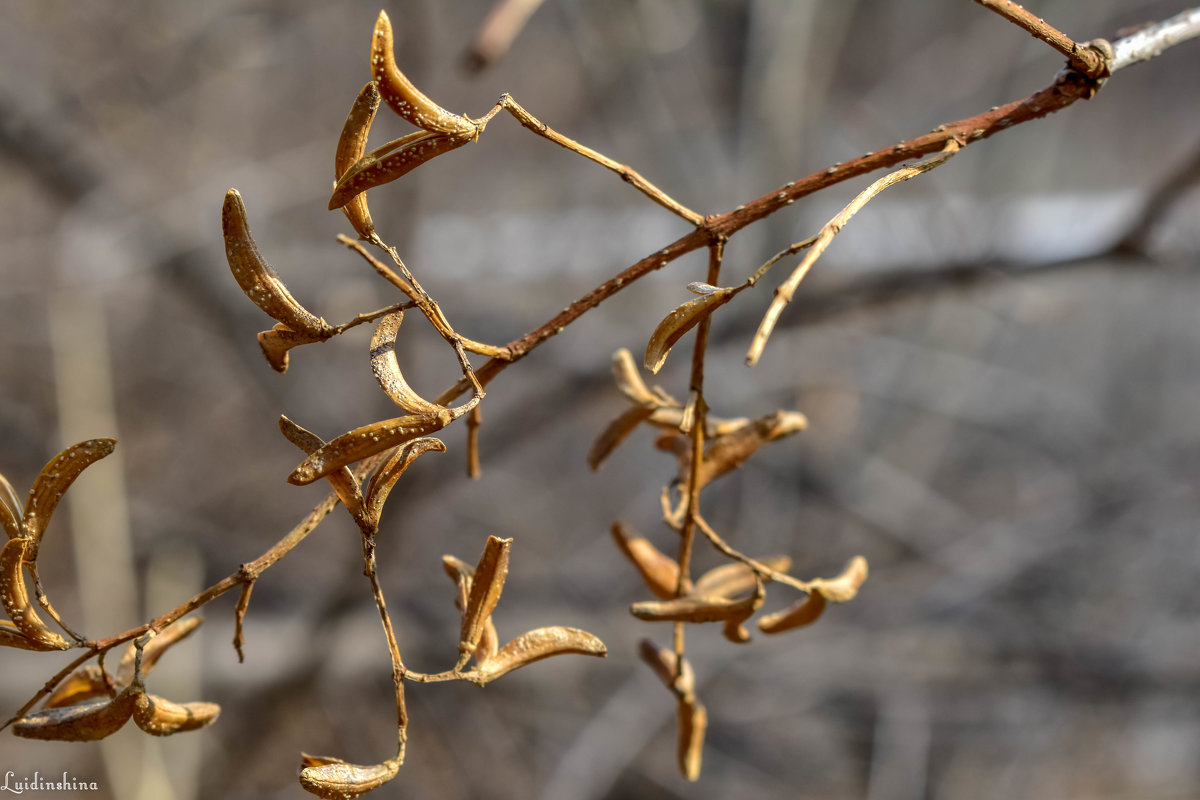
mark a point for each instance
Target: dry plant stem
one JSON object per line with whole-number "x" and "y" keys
{"x": 239, "y": 616}
{"x": 1083, "y": 58}
{"x": 371, "y": 316}
{"x": 629, "y": 175}
{"x": 474, "y": 420}
{"x": 499, "y": 29}
{"x": 783, "y": 294}
{"x": 761, "y": 569}
{"x": 398, "y": 669}
{"x": 44, "y": 602}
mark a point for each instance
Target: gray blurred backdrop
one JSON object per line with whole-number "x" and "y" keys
{"x": 1004, "y": 406}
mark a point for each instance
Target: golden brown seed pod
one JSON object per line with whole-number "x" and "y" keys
{"x": 335, "y": 779}
{"x": 85, "y": 683}
{"x": 681, "y": 320}
{"x": 256, "y": 277}
{"x": 15, "y": 599}
{"x": 707, "y": 608}
{"x": 617, "y": 431}
{"x": 10, "y": 509}
{"x": 486, "y": 587}
{"x": 351, "y": 146}
{"x": 658, "y": 570}
{"x": 734, "y": 629}
{"x": 537, "y": 644}
{"x": 387, "y": 369}
{"x": 845, "y": 586}
{"x": 276, "y": 343}
{"x": 367, "y": 441}
{"x": 630, "y": 382}
{"x": 463, "y": 575}
{"x": 342, "y": 480}
{"x": 662, "y": 660}
{"x": 804, "y": 612}
{"x": 10, "y": 636}
{"x": 693, "y": 722}
{"x": 730, "y": 580}
{"x": 89, "y": 721}
{"x": 154, "y": 649}
{"x": 52, "y": 482}
{"x": 390, "y": 162}
{"x": 726, "y": 453}
{"x": 381, "y": 483}
{"x": 159, "y": 717}
{"x": 403, "y": 97}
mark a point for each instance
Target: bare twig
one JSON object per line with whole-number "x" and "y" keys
{"x": 1087, "y": 59}
{"x": 1152, "y": 40}
{"x": 502, "y": 25}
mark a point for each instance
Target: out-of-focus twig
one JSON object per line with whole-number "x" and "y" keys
{"x": 1182, "y": 178}
{"x": 502, "y": 25}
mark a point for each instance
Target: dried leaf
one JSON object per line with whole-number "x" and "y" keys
{"x": 402, "y": 96}
{"x": 681, "y": 320}
{"x": 387, "y": 369}
{"x": 385, "y": 477}
{"x": 538, "y": 644}
{"x": 85, "y": 683}
{"x": 159, "y": 717}
{"x": 804, "y": 612}
{"x": 845, "y": 586}
{"x": 15, "y": 599}
{"x": 367, "y": 441}
{"x": 629, "y": 381}
{"x": 398, "y": 159}
{"x": 335, "y": 779}
{"x": 693, "y": 722}
{"x": 53, "y": 481}
{"x": 10, "y": 636}
{"x": 276, "y": 342}
{"x": 342, "y": 480}
{"x": 259, "y": 281}
{"x": 658, "y": 570}
{"x": 486, "y": 587}
{"x": 662, "y": 660}
{"x": 730, "y": 580}
{"x": 154, "y": 649}
{"x": 89, "y": 721}
{"x": 616, "y": 432}
{"x": 351, "y": 146}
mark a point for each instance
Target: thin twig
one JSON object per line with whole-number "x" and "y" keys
{"x": 761, "y": 569}
{"x": 499, "y": 29}
{"x": 1152, "y": 40}
{"x": 1088, "y": 60}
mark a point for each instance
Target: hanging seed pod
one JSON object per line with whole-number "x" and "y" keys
{"x": 390, "y": 162}
{"x": 658, "y": 570}
{"x": 159, "y": 717}
{"x": 630, "y": 382}
{"x": 85, "y": 683}
{"x": 402, "y": 96}
{"x": 804, "y": 612}
{"x": 693, "y": 722}
{"x": 11, "y": 636}
{"x": 730, "y": 580}
{"x": 15, "y": 599}
{"x": 276, "y": 343}
{"x": 351, "y": 146}
{"x": 335, "y": 779}
{"x": 538, "y": 644}
{"x": 708, "y": 608}
{"x": 387, "y": 369}
{"x": 342, "y": 480}
{"x": 52, "y": 482}
{"x": 681, "y": 320}
{"x": 486, "y": 587}
{"x": 616, "y": 432}
{"x": 154, "y": 649}
{"x": 726, "y": 453}
{"x": 385, "y": 477}
{"x": 845, "y": 586}
{"x": 662, "y": 660}
{"x": 89, "y": 721}
{"x": 463, "y": 575}
{"x": 367, "y": 441}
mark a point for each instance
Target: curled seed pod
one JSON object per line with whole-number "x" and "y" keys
{"x": 391, "y": 162}
{"x": 617, "y": 431}
{"x": 10, "y": 509}
{"x": 89, "y": 721}
{"x": 387, "y": 369}
{"x": 681, "y": 320}
{"x": 85, "y": 683}
{"x": 708, "y": 608}
{"x": 658, "y": 570}
{"x": 367, "y": 441}
{"x": 52, "y": 482}
{"x": 11, "y": 636}
{"x": 726, "y": 453}
{"x": 276, "y": 343}
{"x": 662, "y": 660}
{"x": 256, "y": 277}
{"x": 730, "y": 580}
{"x": 463, "y": 575}
{"x": 693, "y": 722}
{"x": 538, "y": 644}
{"x": 15, "y": 599}
{"x": 351, "y": 146}
{"x": 403, "y": 97}
{"x": 381, "y": 483}
{"x": 335, "y": 779}
{"x": 159, "y": 717}
{"x": 845, "y": 586}
{"x": 734, "y": 629}
{"x": 486, "y": 587}
{"x": 154, "y": 649}
{"x": 629, "y": 381}
{"x": 342, "y": 480}
{"x": 804, "y": 612}
{"x": 671, "y": 418}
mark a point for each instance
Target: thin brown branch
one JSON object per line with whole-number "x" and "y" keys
{"x": 506, "y": 19}
{"x": 1182, "y": 178}
{"x": 1087, "y": 59}
{"x": 758, "y": 567}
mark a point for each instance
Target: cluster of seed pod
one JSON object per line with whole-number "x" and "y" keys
{"x": 730, "y": 594}
{"x": 89, "y": 704}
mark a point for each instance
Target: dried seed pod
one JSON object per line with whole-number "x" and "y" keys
{"x": 630, "y": 382}
{"x": 52, "y": 482}
{"x": 11, "y": 636}
{"x": 693, "y": 722}
{"x": 351, "y": 146}
{"x": 463, "y": 575}
{"x": 538, "y": 644}
{"x": 726, "y": 453}
{"x": 662, "y": 660}
{"x": 381, "y": 483}
{"x": 154, "y": 649}
{"x": 387, "y": 369}
{"x": 486, "y": 587}
{"x": 681, "y": 320}
{"x": 804, "y": 612}
{"x": 335, "y": 779}
{"x": 15, "y": 599}
{"x": 367, "y": 441}
{"x": 10, "y": 509}
{"x": 672, "y": 418}
{"x": 89, "y": 721}
{"x": 658, "y": 570}
{"x": 342, "y": 480}
{"x": 403, "y": 97}
{"x": 85, "y": 683}
{"x": 392, "y": 161}
{"x": 159, "y": 717}
{"x": 845, "y": 586}
{"x": 616, "y": 432}
{"x": 259, "y": 281}
{"x": 276, "y": 343}
{"x": 730, "y": 580}
{"x": 735, "y": 630}
{"x": 709, "y": 608}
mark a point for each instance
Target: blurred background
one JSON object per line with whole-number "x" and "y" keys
{"x": 1000, "y": 363}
